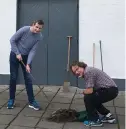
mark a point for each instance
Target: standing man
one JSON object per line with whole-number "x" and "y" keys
{"x": 99, "y": 88}
{"x": 23, "y": 48}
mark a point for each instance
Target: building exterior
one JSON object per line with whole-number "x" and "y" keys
{"x": 87, "y": 21}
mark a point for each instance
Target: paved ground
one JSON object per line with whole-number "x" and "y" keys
{"x": 24, "y": 118}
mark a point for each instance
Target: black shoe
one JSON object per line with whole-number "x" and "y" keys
{"x": 110, "y": 119}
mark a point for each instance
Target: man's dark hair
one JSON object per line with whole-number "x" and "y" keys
{"x": 40, "y": 22}
{"x": 77, "y": 63}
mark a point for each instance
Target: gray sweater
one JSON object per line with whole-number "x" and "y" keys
{"x": 25, "y": 42}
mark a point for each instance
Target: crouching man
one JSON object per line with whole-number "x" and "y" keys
{"x": 99, "y": 88}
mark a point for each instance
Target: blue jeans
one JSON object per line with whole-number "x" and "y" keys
{"x": 14, "y": 65}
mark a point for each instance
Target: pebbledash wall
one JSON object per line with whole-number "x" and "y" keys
{"x": 98, "y": 20}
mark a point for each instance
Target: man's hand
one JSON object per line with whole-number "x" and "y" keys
{"x": 19, "y": 57}
{"x": 88, "y": 91}
{"x": 28, "y": 68}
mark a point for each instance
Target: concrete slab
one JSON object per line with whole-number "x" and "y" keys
{"x": 107, "y": 126}
{"x": 2, "y": 101}
{"x": 20, "y": 103}
{"x": 51, "y": 88}
{"x": 36, "y": 88}
{"x": 28, "y": 118}
{"x": 65, "y": 94}
{"x": 6, "y": 111}
{"x": 56, "y": 106}
{"x": 121, "y": 96}
{"x": 28, "y": 112}
{"x": 6, "y": 119}
{"x": 49, "y": 125}
{"x": 25, "y": 92}
{"x": 71, "y": 89}
{"x": 78, "y": 101}
{"x": 78, "y": 107}
{"x": 40, "y": 128}
{"x": 47, "y": 113}
{"x": 4, "y": 87}
{"x": 119, "y": 102}
{"x": 3, "y": 126}
{"x": 122, "y": 93}
{"x": 49, "y": 94}
{"x": 25, "y": 121}
{"x": 43, "y": 105}
{"x": 4, "y": 95}
{"x": 22, "y": 96}
{"x": 2, "y": 90}
{"x": 79, "y": 91}
{"x": 79, "y": 96}
{"x": 42, "y": 97}
{"x": 17, "y": 91}
{"x": 62, "y": 100}
{"x": 20, "y": 87}
{"x": 121, "y": 122}
{"x": 120, "y": 111}
{"x": 18, "y": 127}
{"x": 75, "y": 125}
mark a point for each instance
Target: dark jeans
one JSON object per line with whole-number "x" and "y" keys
{"x": 14, "y": 65}
{"x": 93, "y": 102}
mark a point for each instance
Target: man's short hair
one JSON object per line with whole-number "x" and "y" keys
{"x": 40, "y": 22}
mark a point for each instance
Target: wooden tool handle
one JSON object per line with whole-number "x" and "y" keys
{"x": 69, "y": 45}
{"x": 93, "y": 54}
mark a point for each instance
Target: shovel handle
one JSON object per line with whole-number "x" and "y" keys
{"x": 93, "y": 54}
{"x": 69, "y": 45}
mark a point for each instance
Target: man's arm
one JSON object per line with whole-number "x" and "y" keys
{"x": 32, "y": 54}
{"x": 33, "y": 51}
{"x": 14, "y": 39}
{"x": 90, "y": 82}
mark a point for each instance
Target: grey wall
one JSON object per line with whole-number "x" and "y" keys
{"x": 4, "y": 80}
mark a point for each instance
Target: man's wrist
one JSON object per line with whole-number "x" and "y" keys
{"x": 28, "y": 62}
{"x": 83, "y": 91}
{"x": 18, "y": 54}
{"x": 88, "y": 91}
